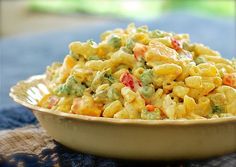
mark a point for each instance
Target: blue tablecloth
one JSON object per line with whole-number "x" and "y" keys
{"x": 28, "y": 55}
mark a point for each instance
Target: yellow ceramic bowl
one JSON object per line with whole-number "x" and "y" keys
{"x": 129, "y": 139}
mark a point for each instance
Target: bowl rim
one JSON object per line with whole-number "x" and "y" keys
{"x": 13, "y": 95}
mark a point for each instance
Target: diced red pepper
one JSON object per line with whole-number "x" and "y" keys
{"x": 230, "y": 80}
{"x": 127, "y": 79}
{"x": 139, "y": 50}
{"x": 130, "y": 81}
{"x": 176, "y": 45}
{"x": 150, "y": 107}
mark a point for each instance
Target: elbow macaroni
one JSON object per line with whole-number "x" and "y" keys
{"x": 135, "y": 71}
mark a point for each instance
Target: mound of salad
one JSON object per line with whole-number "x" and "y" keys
{"x": 137, "y": 73}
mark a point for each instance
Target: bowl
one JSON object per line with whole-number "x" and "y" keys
{"x": 129, "y": 138}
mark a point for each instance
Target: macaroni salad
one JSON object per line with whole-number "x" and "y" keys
{"x": 135, "y": 73}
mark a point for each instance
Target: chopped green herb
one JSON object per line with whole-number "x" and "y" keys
{"x": 217, "y": 109}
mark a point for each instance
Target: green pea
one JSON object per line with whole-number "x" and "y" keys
{"x": 147, "y": 91}
{"x": 146, "y": 77}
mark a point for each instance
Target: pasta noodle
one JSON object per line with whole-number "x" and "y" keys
{"x": 136, "y": 73}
